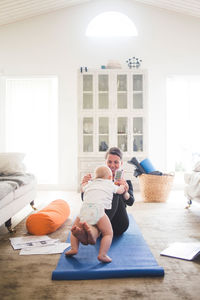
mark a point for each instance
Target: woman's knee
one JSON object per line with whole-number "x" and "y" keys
{"x": 120, "y": 228}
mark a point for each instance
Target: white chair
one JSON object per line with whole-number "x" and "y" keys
{"x": 192, "y": 187}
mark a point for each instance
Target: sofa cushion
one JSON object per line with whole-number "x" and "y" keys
{"x": 11, "y": 163}
{"x": 49, "y": 219}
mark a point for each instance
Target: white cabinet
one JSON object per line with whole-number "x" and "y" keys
{"x": 112, "y": 112}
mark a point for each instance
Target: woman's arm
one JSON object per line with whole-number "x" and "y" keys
{"x": 86, "y": 178}
{"x": 84, "y": 182}
{"x": 129, "y": 194}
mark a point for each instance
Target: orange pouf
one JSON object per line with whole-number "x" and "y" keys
{"x": 49, "y": 218}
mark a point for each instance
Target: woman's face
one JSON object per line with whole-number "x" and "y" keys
{"x": 113, "y": 162}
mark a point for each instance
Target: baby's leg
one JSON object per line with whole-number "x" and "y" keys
{"x": 92, "y": 233}
{"x": 74, "y": 241}
{"x": 105, "y": 228}
{"x": 74, "y": 246}
{"x": 79, "y": 232}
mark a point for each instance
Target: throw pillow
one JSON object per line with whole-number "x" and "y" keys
{"x": 11, "y": 163}
{"x": 49, "y": 218}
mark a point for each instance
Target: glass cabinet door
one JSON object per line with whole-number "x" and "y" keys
{"x": 103, "y": 91}
{"x": 137, "y": 134}
{"x": 88, "y": 134}
{"x": 121, "y": 91}
{"x": 87, "y": 91}
{"x": 137, "y": 91}
{"x": 112, "y": 111}
{"x": 122, "y": 133}
{"x": 103, "y": 133}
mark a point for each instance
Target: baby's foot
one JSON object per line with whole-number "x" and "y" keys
{"x": 80, "y": 234}
{"x": 104, "y": 258}
{"x": 71, "y": 252}
{"x": 90, "y": 235}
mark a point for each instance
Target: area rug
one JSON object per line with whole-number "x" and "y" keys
{"x": 131, "y": 257}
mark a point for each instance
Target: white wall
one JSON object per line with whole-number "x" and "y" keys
{"x": 55, "y": 44}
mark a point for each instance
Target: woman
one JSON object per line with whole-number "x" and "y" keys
{"x": 117, "y": 214}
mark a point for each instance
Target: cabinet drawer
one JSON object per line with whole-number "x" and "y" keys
{"x": 91, "y": 165}
{"x": 129, "y": 167}
{"x": 82, "y": 174}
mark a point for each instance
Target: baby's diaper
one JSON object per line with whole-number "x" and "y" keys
{"x": 91, "y": 213}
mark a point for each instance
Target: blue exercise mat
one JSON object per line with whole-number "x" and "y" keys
{"x": 131, "y": 257}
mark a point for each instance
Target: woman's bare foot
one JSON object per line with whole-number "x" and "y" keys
{"x": 71, "y": 252}
{"x": 80, "y": 234}
{"x": 104, "y": 258}
{"x": 91, "y": 237}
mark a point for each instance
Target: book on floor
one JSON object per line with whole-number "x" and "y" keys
{"x": 187, "y": 251}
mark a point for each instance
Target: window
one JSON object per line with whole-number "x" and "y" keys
{"x": 183, "y": 106}
{"x": 31, "y": 124}
{"x": 110, "y": 24}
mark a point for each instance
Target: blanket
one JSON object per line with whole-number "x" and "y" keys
{"x": 10, "y": 183}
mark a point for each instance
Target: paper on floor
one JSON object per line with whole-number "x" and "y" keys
{"x": 186, "y": 251}
{"x": 50, "y": 249}
{"x": 31, "y": 241}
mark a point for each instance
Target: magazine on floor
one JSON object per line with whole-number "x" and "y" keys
{"x": 187, "y": 251}
{"x": 31, "y": 241}
{"x": 33, "y": 244}
{"x": 50, "y": 249}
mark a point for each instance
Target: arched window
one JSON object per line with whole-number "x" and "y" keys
{"x": 111, "y": 24}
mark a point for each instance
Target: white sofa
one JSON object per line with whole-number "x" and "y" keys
{"x": 192, "y": 185}
{"x": 16, "y": 200}
{"x": 17, "y": 188}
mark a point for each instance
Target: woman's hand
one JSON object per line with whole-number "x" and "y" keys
{"x": 86, "y": 178}
{"x": 126, "y": 194}
{"x": 124, "y": 183}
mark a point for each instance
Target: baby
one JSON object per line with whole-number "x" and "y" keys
{"x": 98, "y": 195}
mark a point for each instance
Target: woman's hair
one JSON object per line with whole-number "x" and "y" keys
{"x": 114, "y": 151}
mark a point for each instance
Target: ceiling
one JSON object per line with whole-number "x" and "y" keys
{"x": 16, "y": 10}
{"x": 187, "y": 7}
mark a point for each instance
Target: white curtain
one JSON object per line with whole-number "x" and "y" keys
{"x": 183, "y": 122}
{"x": 31, "y": 124}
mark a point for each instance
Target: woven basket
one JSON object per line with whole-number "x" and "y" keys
{"x": 155, "y": 188}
